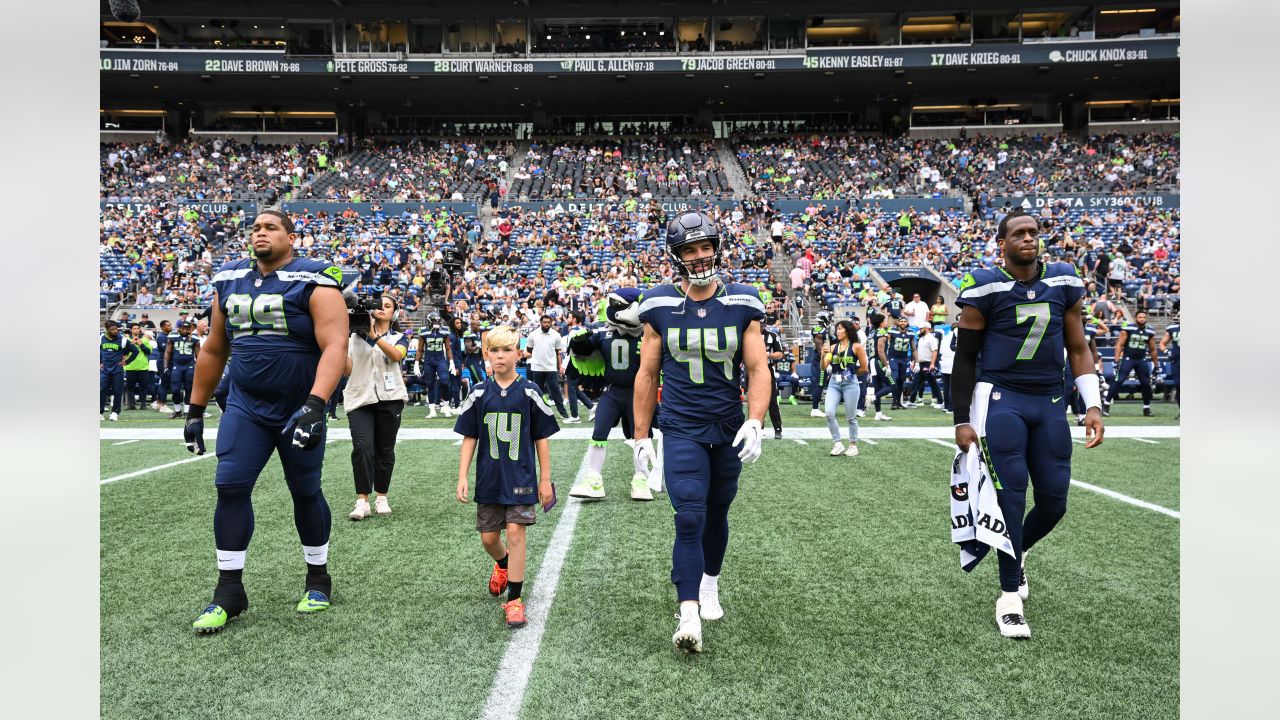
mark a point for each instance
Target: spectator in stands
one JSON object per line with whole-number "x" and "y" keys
{"x": 938, "y": 312}
{"x": 917, "y": 312}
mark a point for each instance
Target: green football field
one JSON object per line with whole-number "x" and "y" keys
{"x": 843, "y": 595}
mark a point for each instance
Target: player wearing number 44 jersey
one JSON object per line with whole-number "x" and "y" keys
{"x": 699, "y": 333}
{"x": 285, "y": 320}
{"x": 1020, "y": 317}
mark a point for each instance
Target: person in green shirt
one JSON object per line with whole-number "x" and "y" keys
{"x": 137, "y": 363}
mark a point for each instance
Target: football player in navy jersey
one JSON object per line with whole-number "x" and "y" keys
{"x": 1135, "y": 342}
{"x": 877, "y": 358}
{"x": 1020, "y": 317}
{"x": 457, "y": 329}
{"x": 900, "y": 347}
{"x": 285, "y": 320}
{"x": 505, "y": 424}
{"x": 436, "y": 357}
{"x": 613, "y": 353}
{"x": 1171, "y": 343}
{"x": 160, "y": 381}
{"x": 180, "y": 358}
{"x": 111, "y": 347}
{"x": 699, "y": 333}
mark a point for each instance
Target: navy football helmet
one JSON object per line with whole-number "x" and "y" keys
{"x": 690, "y": 227}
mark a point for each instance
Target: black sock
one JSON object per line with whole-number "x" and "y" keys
{"x": 314, "y": 570}
{"x": 230, "y": 577}
{"x": 513, "y": 590}
{"x": 318, "y": 578}
{"x": 503, "y": 562}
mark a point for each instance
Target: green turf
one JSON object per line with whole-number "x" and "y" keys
{"x": 842, "y": 591}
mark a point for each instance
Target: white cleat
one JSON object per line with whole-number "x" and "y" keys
{"x": 1024, "y": 590}
{"x": 817, "y": 413}
{"x": 688, "y": 635}
{"x": 114, "y": 417}
{"x": 837, "y": 449}
{"x": 709, "y": 599}
{"x": 164, "y": 410}
{"x": 361, "y": 510}
{"x": 446, "y": 411}
{"x": 591, "y": 486}
{"x": 155, "y": 404}
{"x": 1009, "y": 617}
{"x": 640, "y": 487}
{"x": 593, "y": 415}
{"x": 851, "y": 451}
{"x": 882, "y": 416}
{"x": 381, "y": 506}
{"x": 431, "y": 412}
{"x": 572, "y": 420}
{"x": 908, "y": 404}
{"x": 862, "y": 413}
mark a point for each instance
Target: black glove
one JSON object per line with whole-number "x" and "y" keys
{"x": 307, "y": 424}
{"x": 193, "y": 431}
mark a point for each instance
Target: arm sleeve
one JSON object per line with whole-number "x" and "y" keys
{"x": 964, "y": 372}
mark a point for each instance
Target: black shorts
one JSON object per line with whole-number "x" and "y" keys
{"x": 491, "y": 517}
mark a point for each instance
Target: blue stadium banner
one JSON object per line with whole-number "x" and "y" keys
{"x": 1090, "y": 202}
{"x": 204, "y": 207}
{"x": 388, "y": 208}
{"x": 884, "y": 204}
{"x": 594, "y": 206}
{"x": 275, "y": 62}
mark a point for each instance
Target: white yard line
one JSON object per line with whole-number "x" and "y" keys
{"x": 124, "y": 442}
{"x": 865, "y": 431}
{"x": 507, "y": 693}
{"x": 866, "y": 440}
{"x": 798, "y": 441}
{"x": 1102, "y": 491}
{"x": 944, "y": 443}
{"x": 208, "y": 454}
{"x": 1144, "y": 440}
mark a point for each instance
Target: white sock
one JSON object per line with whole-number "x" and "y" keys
{"x": 316, "y": 555}
{"x": 595, "y": 458}
{"x": 689, "y": 610}
{"x": 231, "y": 559}
{"x": 710, "y": 583}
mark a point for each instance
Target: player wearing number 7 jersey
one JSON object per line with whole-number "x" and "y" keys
{"x": 285, "y": 319}
{"x": 1009, "y": 401}
{"x": 698, "y": 333}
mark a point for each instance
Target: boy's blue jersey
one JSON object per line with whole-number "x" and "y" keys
{"x": 433, "y": 344}
{"x": 110, "y": 351}
{"x": 274, "y": 352}
{"x": 1175, "y": 341}
{"x": 1023, "y": 346}
{"x": 899, "y": 344}
{"x": 1136, "y": 339}
{"x": 506, "y": 423}
{"x": 701, "y": 357}
{"x": 184, "y": 349}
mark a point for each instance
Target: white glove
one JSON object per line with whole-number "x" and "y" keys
{"x": 749, "y": 436}
{"x": 643, "y": 455}
{"x": 453, "y": 369}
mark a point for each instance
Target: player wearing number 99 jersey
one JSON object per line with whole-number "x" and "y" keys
{"x": 285, "y": 319}
{"x": 1020, "y": 317}
{"x": 698, "y": 334}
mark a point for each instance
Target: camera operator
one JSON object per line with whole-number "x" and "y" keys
{"x": 374, "y": 398}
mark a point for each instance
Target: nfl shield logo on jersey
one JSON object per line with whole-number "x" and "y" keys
{"x": 702, "y": 312}
{"x": 995, "y": 396}
{"x": 1031, "y": 294}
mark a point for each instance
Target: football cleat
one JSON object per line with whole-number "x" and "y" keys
{"x": 114, "y": 417}
{"x": 590, "y": 486}
{"x": 837, "y": 449}
{"x": 314, "y": 601}
{"x": 792, "y": 399}
{"x": 573, "y": 420}
{"x": 817, "y": 413}
{"x": 228, "y": 602}
{"x": 1024, "y": 591}
{"x": 709, "y": 600}
{"x": 592, "y": 417}
{"x": 431, "y": 412}
{"x": 361, "y": 510}
{"x": 777, "y": 434}
{"x": 640, "y": 487}
{"x": 851, "y": 451}
{"x": 688, "y": 635}
{"x": 861, "y": 413}
{"x": 1146, "y": 412}
{"x": 1009, "y": 617}
{"x": 882, "y": 416}
{"x": 514, "y": 610}
{"x": 497, "y": 580}
{"x": 381, "y": 505}
{"x": 213, "y": 619}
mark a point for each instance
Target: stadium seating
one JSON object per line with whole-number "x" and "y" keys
{"x": 413, "y": 170}
{"x": 660, "y": 168}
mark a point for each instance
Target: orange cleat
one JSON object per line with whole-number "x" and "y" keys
{"x": 497, "y": 580}
{"x": 515, "y": 613}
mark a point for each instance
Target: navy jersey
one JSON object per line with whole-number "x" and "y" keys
{"x": 506, "y": 423}
{"x": 1136, "y": 339}
{"x": 1175, "y": 341}
{"x": 701, "y": 357}
{"x": 621, "y": 354}
{"x": 455, "y": 346}
{"x": 894, "y": 307}
{"x": 274, "y": 352}
{"x": 158, "y": 345}
{"x": 900, "y": 344}
{"x": 184, "y": 349}
{"x": 872, "y": 341}
{"x": 844, "y": 361}
{"x": 111, "y": 351}
{"x": 1023, "y": 346}
{"x": 433, "y": 344}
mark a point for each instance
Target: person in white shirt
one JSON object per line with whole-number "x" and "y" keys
{"x": 926, "y": 360}
{"x": 917, "y": 312}
{"x": 946, "y": 358}
{"x": 775, "y": 230}
{"x": 543, "y": 348}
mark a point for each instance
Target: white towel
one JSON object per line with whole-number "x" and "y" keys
{"x": 977, "y": 525}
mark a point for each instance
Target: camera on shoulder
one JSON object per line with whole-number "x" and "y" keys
{"x": 359, "y": 309}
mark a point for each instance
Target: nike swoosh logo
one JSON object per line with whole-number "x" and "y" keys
{"x": 1057, "y": 398}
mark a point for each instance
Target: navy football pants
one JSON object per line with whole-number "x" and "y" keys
{"x": 244, "y": 446}
{"x": 111, "y": 385}
{"x": 181, "y": 378}
{"x": 702, "y": 481}
{"x": 1139, "y": 367}
{"x": 1024, "y": 437}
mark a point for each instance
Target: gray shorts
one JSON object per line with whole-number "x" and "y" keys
{"x": 491, "y": 517}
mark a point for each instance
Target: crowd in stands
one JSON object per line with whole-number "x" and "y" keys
{"x": 215, "y": 170}
{"x": 842, "y": 166}
{"x": 413, "y": 171}
{"x": 653, "y": 167}
{"x": 161, "y": 256}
